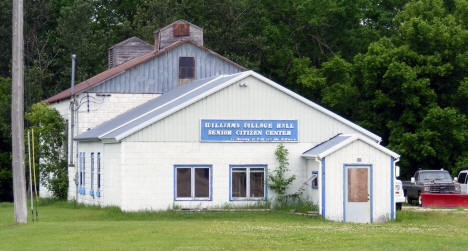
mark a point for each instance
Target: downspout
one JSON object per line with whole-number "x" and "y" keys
{"x": 393, "y": 209}
{"x": 72, "y": 107}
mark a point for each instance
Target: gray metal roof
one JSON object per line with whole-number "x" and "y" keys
{"x": 324, "y": 146}
{"x": 152, "y": 108}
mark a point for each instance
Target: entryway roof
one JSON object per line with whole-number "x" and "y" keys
{"x": 339, "y": 141}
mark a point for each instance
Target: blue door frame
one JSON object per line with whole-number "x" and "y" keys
{"x": 371, "y": 195}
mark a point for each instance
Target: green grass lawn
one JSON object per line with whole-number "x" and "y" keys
{"x": 63, "y": 226}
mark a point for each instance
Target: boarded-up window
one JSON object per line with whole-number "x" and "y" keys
{"x": 358, "y": 185}
{"x": 181, "y": 30}
{"x": 186, "y": 68}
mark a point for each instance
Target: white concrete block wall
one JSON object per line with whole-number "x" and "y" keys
{"x": 86, "y": 198}
{"x": 111, "y": 175}
{"x": 148, "y": 170}
{"x": 381, "y": 179}
{"x": 102, "y": 108}
{"x": 312, "y": 194}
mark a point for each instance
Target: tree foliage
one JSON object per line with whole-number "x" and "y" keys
{"x": 6, "y": 182}
{"x": 279, "y": 180}
{"x": 49, "y": 129}
{"x": 409, "y": 87}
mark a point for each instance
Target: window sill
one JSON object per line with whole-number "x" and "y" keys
{"x": 248, "y": 199}
{"x": 193, "y": 199}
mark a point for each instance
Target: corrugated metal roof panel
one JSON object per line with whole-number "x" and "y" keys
{"x": 152, "y": 108}
{"x": 324, "y": 146}
{"x": 160, "y": 110}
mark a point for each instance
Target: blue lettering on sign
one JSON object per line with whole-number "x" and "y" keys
{"x": 249, "y": 130}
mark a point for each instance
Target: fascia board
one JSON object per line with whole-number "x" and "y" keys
{"x": 364, "y": 139}
{"x": 380, "y": 147}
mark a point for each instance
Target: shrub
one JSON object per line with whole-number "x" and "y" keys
{"x": 279, "y": 182}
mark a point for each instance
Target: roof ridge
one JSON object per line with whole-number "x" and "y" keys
{"x": 126, "y": 40}
{"x": 168, "y": 25}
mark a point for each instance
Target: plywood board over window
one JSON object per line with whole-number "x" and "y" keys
{"x": 181, "y": 30}
{"x": 358, "y": 185}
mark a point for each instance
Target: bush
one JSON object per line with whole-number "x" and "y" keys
{"x": 279, "y": 182}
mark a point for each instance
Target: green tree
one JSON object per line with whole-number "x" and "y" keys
{"x": 6, "y": 185}
{"x": 279, "y": 181}
{"x": 410, "y": 88}
{"x": 49, "y": 128}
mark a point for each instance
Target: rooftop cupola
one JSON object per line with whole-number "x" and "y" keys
{"x": 176, "y": 31}
{"x": 127, "y": 50}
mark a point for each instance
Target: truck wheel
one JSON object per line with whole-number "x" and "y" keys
{"x": 408, "y": 200}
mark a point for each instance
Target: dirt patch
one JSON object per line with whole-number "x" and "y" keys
{"x": 434, "y": 209}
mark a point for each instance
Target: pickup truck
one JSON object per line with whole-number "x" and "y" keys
{"x": 429, "y": 181}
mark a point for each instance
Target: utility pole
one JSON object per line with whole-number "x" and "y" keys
{"x": 17, "y": 115}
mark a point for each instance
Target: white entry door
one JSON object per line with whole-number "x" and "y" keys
{"x": 357, "y": 193}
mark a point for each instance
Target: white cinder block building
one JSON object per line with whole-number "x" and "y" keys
{"x": 212, "y": 142}
{"x": 176, "y": 124}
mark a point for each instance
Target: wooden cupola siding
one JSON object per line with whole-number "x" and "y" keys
{"x": 176, "y": 31}
{"x": 127, "y": 50}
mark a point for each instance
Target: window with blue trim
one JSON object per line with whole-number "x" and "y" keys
{"x": 192, "y": 182}
{"x": 82, "y": 168}
{"x": 98, "y": 192}
{"x": 248, "y": 182}
{"x": 91, "y": 190}
{"x": 314, "y": 180}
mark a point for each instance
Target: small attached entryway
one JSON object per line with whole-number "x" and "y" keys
{"x": 357, "y": 190}
{"x": 355, "y": 177}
